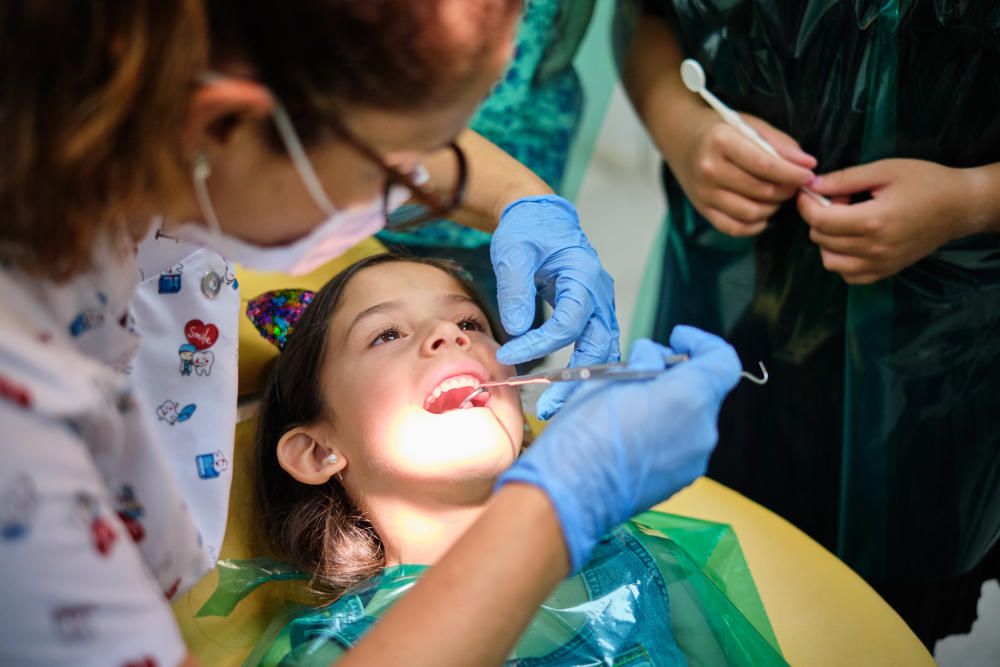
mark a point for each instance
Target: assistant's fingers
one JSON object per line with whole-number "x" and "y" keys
{"x": 741, "y": 209}
{"x": 853, "y": 180}
{"x": 754, "y": 160}
{"x": 839, "y": 219}
{"x": 847, "y": 266}
{"x": 786, "y": 146}
{"x": 732, "y": 227}
{"x": 856, "y": 246}
{"x": 733, "y": 178}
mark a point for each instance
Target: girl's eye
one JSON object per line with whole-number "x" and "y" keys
{"x": 387, "y": 335}
{"x": 472, "y": 324}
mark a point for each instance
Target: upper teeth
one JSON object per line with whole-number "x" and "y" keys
{"x": 456, "y": 382}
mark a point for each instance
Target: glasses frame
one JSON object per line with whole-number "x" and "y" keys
{"x": 438, "y": 207}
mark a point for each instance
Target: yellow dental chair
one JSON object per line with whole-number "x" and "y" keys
{"x": 821, "y": 611}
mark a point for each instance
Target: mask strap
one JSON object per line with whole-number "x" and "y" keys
{"x": 200, "y": 171}
{"x": 300, "y": 159}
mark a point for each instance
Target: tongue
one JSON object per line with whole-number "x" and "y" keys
{"x": 450, "y": 400}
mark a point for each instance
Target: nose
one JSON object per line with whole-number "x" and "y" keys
{"x": 443, "y": 336}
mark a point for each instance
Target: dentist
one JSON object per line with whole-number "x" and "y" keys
{"x": 145, "y": 146}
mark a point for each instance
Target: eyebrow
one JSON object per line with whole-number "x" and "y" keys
{"x": 374, "y": 310}
{"x": 386, "y": 306}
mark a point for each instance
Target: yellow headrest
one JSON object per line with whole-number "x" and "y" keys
{"x": 255, "y": 351}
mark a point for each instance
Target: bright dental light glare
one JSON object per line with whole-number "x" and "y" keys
{"x": 455, "y": 442}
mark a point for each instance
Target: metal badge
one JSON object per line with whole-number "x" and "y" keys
{"x": 211, "y": 284}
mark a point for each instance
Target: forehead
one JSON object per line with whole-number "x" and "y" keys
{"x": 405, "y": 282}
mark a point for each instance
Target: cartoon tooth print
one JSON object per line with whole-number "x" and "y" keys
{"x": 102, "y": 531}
{"x": 170, "y": 280}
{"x": 211, "y": 466}
{"x": 15, "y": 392}
{"x": 74, "y": 623}
{"x": 172, "y": 591}
{"x": 230, "y": 278}
{"x": 145, "y": 661}
{"x": 85, "y": 321}
{"x": 186, "y": 353}
{"x": 195, "y": 356}
{"x": 18, "y": 505}
{"x": 172, "y": 413}
{"x": 203, "y": 362}
{"x": 130, "y": 512}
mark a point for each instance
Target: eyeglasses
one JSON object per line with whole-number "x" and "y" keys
{"x": 425, "y": 205}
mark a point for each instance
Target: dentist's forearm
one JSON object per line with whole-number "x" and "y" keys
{"x": 496, "y": 180}
{"x": 474, "y": 604}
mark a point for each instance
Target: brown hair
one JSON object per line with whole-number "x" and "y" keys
{"x": 94, "y": 94}
{"x": 320, "y": 56}
{"x": 318, "y": 527}
{"x": 90, "y": 92}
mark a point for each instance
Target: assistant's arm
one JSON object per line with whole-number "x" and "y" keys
{"x": 496, "y": 180}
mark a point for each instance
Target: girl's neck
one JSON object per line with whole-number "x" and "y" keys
{"x": 419, "y": 533}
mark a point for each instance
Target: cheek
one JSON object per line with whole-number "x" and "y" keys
{"x": 366, "y": 400}
{"x": 510, "y": 414}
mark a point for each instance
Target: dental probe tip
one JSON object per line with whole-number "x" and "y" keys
{"x": 475, "y": 392}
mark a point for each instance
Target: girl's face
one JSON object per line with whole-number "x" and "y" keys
{"x": 405, "y": 347}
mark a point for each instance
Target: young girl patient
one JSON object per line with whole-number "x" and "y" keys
{"x": 369, "y": 468}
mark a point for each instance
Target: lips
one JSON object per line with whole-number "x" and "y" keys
{"x": 453, "y": 386}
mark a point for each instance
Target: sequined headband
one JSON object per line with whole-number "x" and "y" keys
{"x": 276, "y": 313}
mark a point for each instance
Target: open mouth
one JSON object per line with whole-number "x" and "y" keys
{"x": 452, "y": 392}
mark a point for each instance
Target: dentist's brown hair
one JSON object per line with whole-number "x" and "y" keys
{"x": 94, "y": 96}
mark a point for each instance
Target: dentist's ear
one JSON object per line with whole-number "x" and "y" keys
{"x": 306, "y": 459}
{"x": 218, "y": 106}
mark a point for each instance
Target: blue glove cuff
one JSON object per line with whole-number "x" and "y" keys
{"x": 543, "y": 199}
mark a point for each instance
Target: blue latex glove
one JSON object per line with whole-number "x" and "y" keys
{"x": 539, "y": 242}
{"x": 618, "y": 448}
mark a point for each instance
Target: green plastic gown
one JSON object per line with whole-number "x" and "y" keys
{"x": 660, "y": 590}
{"x": 876, "y": 433}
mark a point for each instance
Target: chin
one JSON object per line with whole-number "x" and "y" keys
{"x": 459, "y": 443}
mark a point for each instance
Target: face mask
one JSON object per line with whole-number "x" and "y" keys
{"x": 341, "y": 229}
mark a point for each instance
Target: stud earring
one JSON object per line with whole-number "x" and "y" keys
{"x": 331, "y": 459}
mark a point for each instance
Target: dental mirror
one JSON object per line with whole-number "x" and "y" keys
{"x": 693, "y": 75}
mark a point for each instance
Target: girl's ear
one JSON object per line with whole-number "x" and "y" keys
{"x": 306, "y": 459}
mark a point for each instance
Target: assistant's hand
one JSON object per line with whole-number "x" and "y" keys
{"x": 618, "y": 448}
{"x": 731, "y": 181}
{"x": 539, "y": 242}
{"x": 915, "y": 208}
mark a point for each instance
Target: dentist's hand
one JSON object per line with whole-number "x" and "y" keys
{"x": 619, "y": 448}
{"x": 539, "y": 242}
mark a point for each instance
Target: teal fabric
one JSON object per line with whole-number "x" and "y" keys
{"x": 532, "y": 113}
